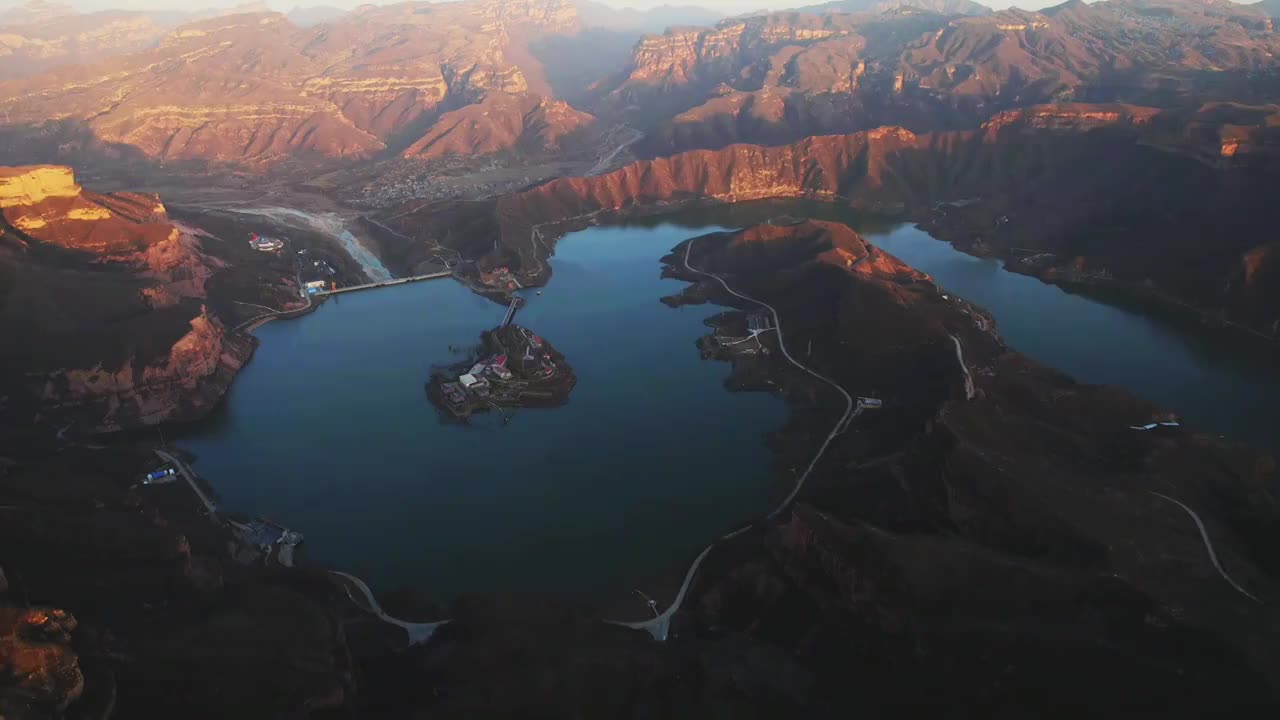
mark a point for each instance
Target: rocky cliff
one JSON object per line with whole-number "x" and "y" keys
{"x": 102, "y": 304}
{"x": 254, "y": 88}
{"x": 34, "y": 44}
{"x": 1028, "y": 179}
{"x": 779, "y": 77}
{"x": 523, "y": 125}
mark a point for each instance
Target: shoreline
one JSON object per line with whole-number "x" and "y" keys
{"x": 781, "y": 481}
{"x": 563, "y": 228}
{"x": 1147, "y": 301}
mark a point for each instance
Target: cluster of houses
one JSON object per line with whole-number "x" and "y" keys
{"x": 476, "y": 380}
{"x": 265, "y": 244}
{"x": 491, "y": 380}
{"x": 262, "y": 541}
{"x": 501, "y": 278}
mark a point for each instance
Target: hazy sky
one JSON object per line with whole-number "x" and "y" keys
{"x": 729, "y": 7}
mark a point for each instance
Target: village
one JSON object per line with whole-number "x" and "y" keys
{"x": 254, "y": 540}
{"x": 514, "y": 368}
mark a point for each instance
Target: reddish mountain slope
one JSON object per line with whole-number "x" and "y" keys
{"x": 969, "y": 561}
{"x": 102, "y": 308}
{"x": 1178, "y": 212}
{"x": 523, "y": 124}
{"x": 254, "y": 88}
{"x": 779, "y": 77}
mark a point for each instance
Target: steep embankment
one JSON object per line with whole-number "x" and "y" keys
{"x": 102, "y": 305}
{"x": 1028, "y": 183}
{"x": 991, "y": 551}
{"x": 777, "y": 77}
{"x": 523, "y": 125}
{"x": 255, "y": 89}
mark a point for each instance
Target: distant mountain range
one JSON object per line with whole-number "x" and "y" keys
{"x": 596, "y": 14}
{"x": 946, "y": 7}
{"x": 780, "y": 77}
{"x": 375, "y": 81}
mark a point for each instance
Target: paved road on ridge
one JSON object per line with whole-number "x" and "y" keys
{"x": 1208, "y": 545}
{"x": 660, "y": 626}
{"x": 186, "y": 475}
{"x": 969, "y": 390}
{"x": 419, "y": 633}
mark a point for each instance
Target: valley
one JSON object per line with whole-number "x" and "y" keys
{"x": 917, "y": 355}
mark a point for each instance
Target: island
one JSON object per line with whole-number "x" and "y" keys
{"x": 512, "y": 368}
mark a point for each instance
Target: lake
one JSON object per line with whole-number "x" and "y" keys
{"x": 1217, "y": 380}
{"x": 328, "y": 429}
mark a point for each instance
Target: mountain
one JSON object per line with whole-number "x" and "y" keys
{"x": 35, "y": 12}
{"x": 654, "y": 19}
{"x": 501, "y": 123}
{"x": 971, "y": 560}
{"x": 1173, "y": 178}
{"x": 1270, "y": 7}
{"x": 256, "y": 89}
{"x": 39, "y": 36}
{"x": 39, "y": 41}
{"x": 103, "y": 307}
{"x": 944, "y": 7}
{"x": 779, "y": 77}
{"x": 314, "y": 15}
{"x": 993, "y": 536}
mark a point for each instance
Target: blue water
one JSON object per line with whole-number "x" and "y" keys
{"x": 1217, "y": 382}
{"x": 328, "y": 431}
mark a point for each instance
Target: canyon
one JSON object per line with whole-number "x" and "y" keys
{"x": 256, "y": 89}
{"x": 994, "y": 536}
{"x": 1027, "y": 184}
{"x": 779, "y": 77}
{"x": 1093, "y": 585}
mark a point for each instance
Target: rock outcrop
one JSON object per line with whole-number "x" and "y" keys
{"x": 775, "y": 78}
{"x": 26, "y": 186}
{"x": 351, "y": 88}
{"x": 103, "y": 307}
{"x": 41, "y": 672}
{"x": 524, "y": 126}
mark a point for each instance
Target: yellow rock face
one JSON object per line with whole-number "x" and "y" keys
{"x": 89, "y": 213}
{"x": 26, "y": 224}
{"x": 24, "y": 186}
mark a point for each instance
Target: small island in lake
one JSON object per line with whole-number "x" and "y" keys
{"x": 513, "y": 368}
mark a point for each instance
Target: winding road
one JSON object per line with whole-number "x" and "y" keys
{"x": 850, "y": 405}
{"x": 189, "y": 477}
{"x": 660, "y": 626}
{"x": 969, "y": 390}
{"x": 419, "y": 633}
{"x": 1208, "y": 545}
{"x": 254, "y": 322}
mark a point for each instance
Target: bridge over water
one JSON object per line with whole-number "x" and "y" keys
{"x": 386, "y": 283}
